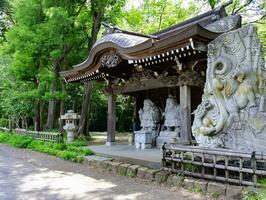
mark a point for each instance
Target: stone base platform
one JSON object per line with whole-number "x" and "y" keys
{"x": 145, "y": 157}
{"x": 165, "y": 137}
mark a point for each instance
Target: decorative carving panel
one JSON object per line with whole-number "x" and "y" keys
{"x": 232, "y": 113}
{"x": 111, "y": 60}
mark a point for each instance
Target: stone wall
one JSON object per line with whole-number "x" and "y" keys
{"x": 166, "y": 178}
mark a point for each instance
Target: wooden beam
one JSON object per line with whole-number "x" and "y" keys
{"x": 111, "y": 118}
{"x": 185, "y": 109}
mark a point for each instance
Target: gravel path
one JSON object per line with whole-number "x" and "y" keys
{"x": 31, "y": 175}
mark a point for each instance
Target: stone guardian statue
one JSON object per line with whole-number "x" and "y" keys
{"x": 172, "y": 123}
{"x": 149, "y": 116}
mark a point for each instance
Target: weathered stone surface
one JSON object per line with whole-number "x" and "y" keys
{"x": 150, "y": 174}
{"x": 175, "y": 180}
{"x": 113, "y": 166}
{"x": 200, "y": 185}
{"x": 172, "y": 123}
{"x": 234, "y": 192}
{"x": 104, "y": 165}
{"x": 70, "y": 125}
{"x": 161, "y": 176}
{"x": 232, "y": 112}
{"x": 142, "y": 172}
{"x": 188, "y": 183}
{"x": 149, "y": 116}
{"x": 216, "y": 189}
{"x": 92, "y": 163}
{"x": 122, "y": 169}
{"x": 132, "y": 170}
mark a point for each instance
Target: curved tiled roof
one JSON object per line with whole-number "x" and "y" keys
{"x": 133, "y": 46}
{"x": 121, "y": 39}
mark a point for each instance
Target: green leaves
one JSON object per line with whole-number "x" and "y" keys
{"x": 153, "y": 16}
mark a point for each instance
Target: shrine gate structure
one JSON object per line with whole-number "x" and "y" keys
{"x": 171, "y": 61}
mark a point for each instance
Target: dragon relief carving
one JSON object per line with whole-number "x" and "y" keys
{"x": 232, "y": 113}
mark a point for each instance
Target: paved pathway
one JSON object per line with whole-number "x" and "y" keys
{"x": 31, "y": 175}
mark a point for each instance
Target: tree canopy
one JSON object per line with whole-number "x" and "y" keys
{"x": 40, "y": 38}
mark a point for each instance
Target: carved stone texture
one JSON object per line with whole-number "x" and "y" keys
{"x": 172, "y": 114}
{"x": 111, "y": 60}
{"x": 192, "y": 78}
{"x": 149, "y": 116}
{"x": 70, "y": 127}
{"x": 172, "y": 123}
{"x": 232, "y": 113}
{"x": 224, "y": 24}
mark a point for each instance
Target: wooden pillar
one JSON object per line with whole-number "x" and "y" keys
{"x": 185, "y": 108}
{"x": 111, "y": 118}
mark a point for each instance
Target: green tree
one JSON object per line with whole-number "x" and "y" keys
{"x": 152, "y": 16}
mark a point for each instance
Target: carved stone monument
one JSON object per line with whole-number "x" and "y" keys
{"x": 172, "y": 123}
{"x": 232, "y": 113}
{"x": 70, "y": 127}
{"x": 149, "y": 117}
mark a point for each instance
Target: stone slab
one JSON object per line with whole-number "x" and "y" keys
{"x": 132, "y": 170}
{"x": 129, "y": 154}
{"x": 161, "y": 176}
{"x": 188, "y": 183}
{"x": 113, "y": 166}
{"x": 142, "y": 172}
{"x": 150, "y": 174}
{"x": 175, "y": 180}
{"x": 98, "y": 158}
{"x": 216, "y": 189}
{"x": 234, "y": 192}
{"x": 200, "y": 185}
{"x": 122, "y": 169}
{"x": 96, "y": 161}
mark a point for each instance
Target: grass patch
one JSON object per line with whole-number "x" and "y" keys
{"x": 255, "y": 193}
{"x": 215, "y": 194}
{"x": 70, "y": 152}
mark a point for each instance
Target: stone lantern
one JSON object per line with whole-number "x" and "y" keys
{"x": 71, "y": 118}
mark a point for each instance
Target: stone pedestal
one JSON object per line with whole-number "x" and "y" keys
{"x": 168, "y": 137}
{"x": 143, "y": 139}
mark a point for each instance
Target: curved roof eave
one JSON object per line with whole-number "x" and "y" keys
{"x": 123, "y": 43}
{"x": 129, "y": 46}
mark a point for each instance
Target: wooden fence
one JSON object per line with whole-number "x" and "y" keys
{"x": 38, "y": 135}
{"x": 215, "y": 164}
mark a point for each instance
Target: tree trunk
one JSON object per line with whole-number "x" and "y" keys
{"x": 62, "y": 107}
{"x": 37, "y": 116}
{"x": 42, "y": 114}
{"x": 51, "y": 109}
{"x": 83, "y": 124}
{"x": 97, "y": 14}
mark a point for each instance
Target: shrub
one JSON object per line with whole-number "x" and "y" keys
{"x": 3, "y": 122}
{"x": 61, "y": 150}
{"x": 68, "y": 155}
{"x": 79, "y": 142}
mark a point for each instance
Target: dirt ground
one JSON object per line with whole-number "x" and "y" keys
{"x": 30, "y": 175}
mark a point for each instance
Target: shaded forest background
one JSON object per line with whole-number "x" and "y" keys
{"x": 40, "y": 38}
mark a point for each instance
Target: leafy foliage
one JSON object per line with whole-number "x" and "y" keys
{"x": 56, "y": 35}
{"x": 153, "y": 16}
{"x": 65, "y": 151}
